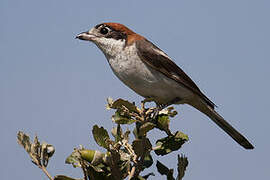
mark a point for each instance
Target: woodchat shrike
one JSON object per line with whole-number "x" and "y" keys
{"x": 151, "y": 73}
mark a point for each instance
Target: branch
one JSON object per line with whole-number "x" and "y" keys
{"x": 46, "y": 172}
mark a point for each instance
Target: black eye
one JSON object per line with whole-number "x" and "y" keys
{"x": 104, "y": 30}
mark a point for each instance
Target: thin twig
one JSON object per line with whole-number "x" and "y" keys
{"x": 132, "y": 173}
{"x": 113, "y": 165}
{"x": 131, "y": 152}
{"x": 156, "y": 147}
{"x": 139, "y": 165}
{"x": 43, "y": 168}
{"x": 84, "y": 170}
{"x": 142, "y": 106}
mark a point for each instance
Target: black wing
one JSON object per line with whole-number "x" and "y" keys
{"x": 157, "y": 59}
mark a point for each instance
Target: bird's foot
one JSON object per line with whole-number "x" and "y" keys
{"x": 160, "y": 107}
{"x": 156, "y": 111}
{"x": 148, "y": 99}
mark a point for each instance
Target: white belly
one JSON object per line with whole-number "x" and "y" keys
{"x": 144, "y": 80}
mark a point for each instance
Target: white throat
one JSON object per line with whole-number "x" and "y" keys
{"x": 110, "y": 47}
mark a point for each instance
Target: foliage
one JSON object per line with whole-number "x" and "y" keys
{"x": 122, "y": 157}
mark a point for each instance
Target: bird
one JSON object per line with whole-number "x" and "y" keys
{"x": 152, "y": 74}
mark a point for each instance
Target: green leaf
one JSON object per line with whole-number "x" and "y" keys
{"x": 148, "y": 161}
{"x": 180, "y": 135}
{"x": 181, "y": 166}
{"x": 24, "y": 140}
{"x": 148, "y": 175}
{"x": 120, "y": 119}
{"x": 141, "y": 146}
{"x": 124, "y": 155}
{"x": 135, "y": 133}
{"x": 101, "y": 136}
{"x": 143, "y": 177}
{"x": 62, "y": 177}
{"x": 124, "y": 167}
{"x": 117, "y": 133}
{"x": 170, "y": 143}
{"x": 46, "y": 152}
{"x": 119, "y": 103}
{"x": 169, "y": 111}
{"x": 138, "y": 178}
{"x": 35, "y": 147}
{"x": 126, "y": 135}
{"x": 163, "y": 170}
{"x": 145, "y": 128}
{"x": 92, "y": 156}
{"x": 87, "y": 154}
{"x": 39, "y": 153}
{"x": 96, "y": 175}
{"x": 163, "y": 123}
{"x": 73, "y": 159}
{"x": 109, "y": 103}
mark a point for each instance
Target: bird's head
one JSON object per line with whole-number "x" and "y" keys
{"x": 110, "y": 36}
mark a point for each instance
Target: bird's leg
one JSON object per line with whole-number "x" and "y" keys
{"x": 163, "y": 106}
{"x": 159, "y": 107}
{"x": 147, "y": 111}
{"x": 156, "y": 110}
{"x": 148, "y": 99}
{"x": 143, "y": 109}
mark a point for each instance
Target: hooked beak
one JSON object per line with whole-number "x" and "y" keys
{"x": 85, "y": 36}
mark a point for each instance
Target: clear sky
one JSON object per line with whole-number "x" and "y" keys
{"x": 55, "y": 86}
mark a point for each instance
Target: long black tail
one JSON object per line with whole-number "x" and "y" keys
{"x": 220, "y": 121}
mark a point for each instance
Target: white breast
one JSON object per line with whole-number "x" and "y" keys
{"x": 144, "y": 80}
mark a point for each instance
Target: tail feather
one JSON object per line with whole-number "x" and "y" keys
{"x": 222, "y": 123}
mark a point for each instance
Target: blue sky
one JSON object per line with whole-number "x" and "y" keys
{"x": 55, "y": 86}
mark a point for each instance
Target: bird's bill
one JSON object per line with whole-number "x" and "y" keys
{"x": 87, "y": 36}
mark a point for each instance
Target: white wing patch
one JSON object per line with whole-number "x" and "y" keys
{"x": 161, "y": 52}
